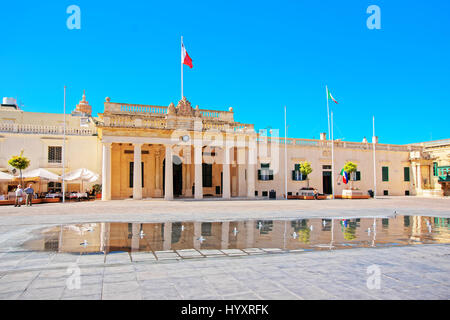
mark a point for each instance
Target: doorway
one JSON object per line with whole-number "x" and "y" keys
{"x": 326, "y": 180}
{"x": 177, "y": 170}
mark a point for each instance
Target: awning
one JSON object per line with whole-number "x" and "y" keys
{"x": 82, "y": 174}
{"x": 41, "y": 174}
{"x": 5, "y": 176}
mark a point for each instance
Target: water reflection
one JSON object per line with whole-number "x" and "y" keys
{"x": 315, "y": 234}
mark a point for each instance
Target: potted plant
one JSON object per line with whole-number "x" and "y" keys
{"x": 19, "y": 162}
{"x": 305, "y": 169}
{"x": 350, "y": 167}
{"x": 98, "y": 190}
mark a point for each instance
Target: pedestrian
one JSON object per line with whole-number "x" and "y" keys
{"x": 30, "y": 193}
{"x": 315, "y": 193}
{"x": 19, "y": 195}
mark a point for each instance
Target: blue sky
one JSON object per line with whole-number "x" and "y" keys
{"x": 255, "y": 56}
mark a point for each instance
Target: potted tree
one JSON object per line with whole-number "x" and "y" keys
{"x": 98, "y": 190}
{"x": 19, "y": 162}
{"x": 305, "y": 169}
{"x": 350, "y": 167}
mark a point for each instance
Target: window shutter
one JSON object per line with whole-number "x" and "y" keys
{"x": 406, "y": 173}
{"x": 259, "y": 174}
{"x": 270, "y": 174}
{"x": 358, "y": 175}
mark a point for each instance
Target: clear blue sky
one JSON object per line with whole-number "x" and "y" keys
{"x": 255, "y": 56}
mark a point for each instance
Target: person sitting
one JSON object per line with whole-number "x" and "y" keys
{"x": 315, "y": 193}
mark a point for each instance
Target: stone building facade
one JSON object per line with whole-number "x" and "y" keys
{"x": 176, "y": 151}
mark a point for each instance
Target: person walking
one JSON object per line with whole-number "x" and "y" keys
{"x": 30, "y": 193}
{"x": 315, "y": 193}
{"x": 19, "y": 195}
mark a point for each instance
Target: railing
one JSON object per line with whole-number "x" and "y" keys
{"x": 125, "y": 108}
{"x": 127, "y": 121}
{"x": 134, "y": 108}
{"x": 41, "y": 129}
{"x": 337, "y": 144}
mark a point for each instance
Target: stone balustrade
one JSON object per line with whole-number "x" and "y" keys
{"x": 338, "y": 144}
{"x": 124, "y": 108}
{"x": 42, "y": 129}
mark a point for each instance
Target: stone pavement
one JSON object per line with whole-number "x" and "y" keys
{"x": 415, "y": 272}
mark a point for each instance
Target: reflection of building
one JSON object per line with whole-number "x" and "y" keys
{"x": 145, "y": 151}
{"x": 282, "y": 234}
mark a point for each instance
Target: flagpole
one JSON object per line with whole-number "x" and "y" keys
{"x": 64, "y": 152}
{"x": 374, "y": 163}
{"x": 181, "y": 67}
{"x": 328, "y": 113}
{"x": 332, "y": 155}
{"x": 285, "y": 154}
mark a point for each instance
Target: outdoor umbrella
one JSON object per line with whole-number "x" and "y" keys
{"x": 42, "y": 174}
{"x": 5, "y": 176}
{"x": 82, "y": 175}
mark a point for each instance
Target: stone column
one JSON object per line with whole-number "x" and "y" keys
{"x": 188, "y": 191}
{"x": 106, "y": 172}
{"x": 419, "y": 177}
{"x": 135, "y": 239}
{"x": 157, "y": 173}
{"x": 137, "y": 172}
{"x": 197, "y": 235}
{"x": 168, "y": 188}
{"x": 167, "y": 240}
{"x": 198, "y": 160}
{"x": 226, "y": 192}
{"x": 251, "y": 167}
{"x": 225, "y": 234}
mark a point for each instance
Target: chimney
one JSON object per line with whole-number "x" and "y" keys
{"x": 375, "y": 139}
{"x": 323, "y": 136}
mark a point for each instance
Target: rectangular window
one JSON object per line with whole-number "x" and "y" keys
{"x": 265, "y": 174}
{"x": 132, "y": 174}
{"x": 355, "y": 176}
{"x": 54, "y": 154}
{"x": 406, "y": 173}
{"x": 265, "y": 193}
{"x": 385, "y": 173}
{"x": 207, "y": 175}
{"x": 385, "y": 192}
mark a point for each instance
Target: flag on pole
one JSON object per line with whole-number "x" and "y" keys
{"x": 185, "y": 59}
{"x": 331, "y": 97}
{"x": 344, "y": 175}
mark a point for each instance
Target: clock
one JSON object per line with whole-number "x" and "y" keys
{"x": 185, "y": 138}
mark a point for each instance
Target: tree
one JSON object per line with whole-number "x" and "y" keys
{"x": 305, "y": 169}
{"x": 350, "y": 167}
{"x": 19, "y": 162}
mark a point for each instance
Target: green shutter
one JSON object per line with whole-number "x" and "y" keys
{"x": 265, "y": 165}
{"x": 406, "y": 173}
{"x": 259, "y": 174}
{"x": 385, "y": 173}
{"x": 297, "y": 167}
{"x": 270, "y": 174}
{"x": 358, "y": 175}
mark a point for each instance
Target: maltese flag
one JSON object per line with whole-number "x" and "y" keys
{"x": 185, "y": 59}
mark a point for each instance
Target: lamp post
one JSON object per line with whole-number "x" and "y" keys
{"x": 64, "y": 152}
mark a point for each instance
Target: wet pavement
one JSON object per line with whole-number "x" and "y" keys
{"x": 414, "y": 272}
{"x": 338, "y": 258}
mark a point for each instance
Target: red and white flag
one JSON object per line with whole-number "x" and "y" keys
{"x": 185, "y": 59}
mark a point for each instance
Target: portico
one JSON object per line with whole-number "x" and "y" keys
{"x": 181, "y": 153}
